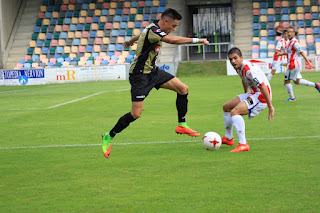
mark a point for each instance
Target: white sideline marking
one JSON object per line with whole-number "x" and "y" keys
{"x": 69, "y": 102}
{"x": 137, "y": 143}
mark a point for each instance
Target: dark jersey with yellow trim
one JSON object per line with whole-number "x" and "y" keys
{"x": 148, "y": 48}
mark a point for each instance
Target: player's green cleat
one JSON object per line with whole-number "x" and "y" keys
{"x": 106, "y": 144}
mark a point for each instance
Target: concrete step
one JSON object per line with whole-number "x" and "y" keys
{"x": 19, "y": 51}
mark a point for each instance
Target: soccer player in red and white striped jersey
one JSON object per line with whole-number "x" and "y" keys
{"x": 278, "y": 59}
{"x": 250, "y": 103}
{"x": 293, "y": 52}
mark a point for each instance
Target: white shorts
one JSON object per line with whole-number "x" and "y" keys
{"x": 254, "y": 105}
{"x": 293, "y": 74}
{"x": 276, "y": 64}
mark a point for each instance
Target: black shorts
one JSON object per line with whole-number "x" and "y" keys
{"x": 142, "y": 84}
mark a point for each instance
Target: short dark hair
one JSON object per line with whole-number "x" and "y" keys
{"x": 235, "y": 50}
{"x": 171, "y": 13}
{"x": 291, "y": 27}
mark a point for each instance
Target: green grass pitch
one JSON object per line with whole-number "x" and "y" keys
{"x": 175, "y": 173}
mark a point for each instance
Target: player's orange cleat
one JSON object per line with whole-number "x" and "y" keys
{"x": 241, "y": 148}
{"x": 106, "y": 144}
{"x": 226, "y": 141}
{"x": 188, "y": 131}
{"x": 107, "y": 153}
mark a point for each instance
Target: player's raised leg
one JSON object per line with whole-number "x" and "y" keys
{"x": 181, "y": 104}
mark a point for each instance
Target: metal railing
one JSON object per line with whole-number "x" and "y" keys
{"x": 204, "y": 47}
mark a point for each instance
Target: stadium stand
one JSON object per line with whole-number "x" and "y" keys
{"x": 268, "y": 15}
{"x": 81, "y": 32}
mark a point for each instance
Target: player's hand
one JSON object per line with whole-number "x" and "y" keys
{"x": 127, "y": 44}
{"x": 204, "y": 41}
{"x": 271, "y": 113}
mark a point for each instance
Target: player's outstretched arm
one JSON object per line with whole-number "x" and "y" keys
{"x": 264, "y": 91}
{"x": 307, "y": 60}
{"x": 183, "y": 40}
{"x": 131, "y": 41}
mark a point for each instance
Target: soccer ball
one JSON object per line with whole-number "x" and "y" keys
{"x": 211, "y": 141}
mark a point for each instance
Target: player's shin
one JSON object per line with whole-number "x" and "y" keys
{"x": 239, "y": 125}
{"x": 182, "y": 107}
{"x": 122, "y": 123}
{"x": 290, "y": 90}
{"x": 228, "y": 125}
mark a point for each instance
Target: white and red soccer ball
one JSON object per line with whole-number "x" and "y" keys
{"x": 211, "y": 141}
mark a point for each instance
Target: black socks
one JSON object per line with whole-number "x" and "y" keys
{"x": 123, "y": 123}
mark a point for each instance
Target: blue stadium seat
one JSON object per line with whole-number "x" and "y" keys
{"x": 60, "y": 50}
{"x": 315, "y": 16}
{"x": 263, "y": 11}
{"x": 114, "y": 57}
{"x": 112, "y": 47}
{"x": 35, "y": 57}
{"x": 49, "y": 36}
{"x": 263, "y": 5}
{"x": 154, "y": 10}
{"x": 39, "y": 43}
{"x": 27, "y": 65}
{"x": 45, "y": 2}
{"x": 161, "y": 9}
{"x": 285, "y": 10}
{"x": 44, "y": 50}
{"x": 119, "y": 47}
{"x": 47, "y": 15}
{"x": 263, "y": 47}
{"x": 79, "y": 27}
{"x": 271, "y": 42}
{"x": 67, "y": 21}
{"x": 50, "y": 64}
{"x": 72, "y": 27}
{"x": 56, "y": 56}
{"x": 270, "y": 18}
{"x": 110, "y": 54}
{"x": 146, "y": 17}
{"x": 255, "y": 51}
{"x": 148, "y": 3}
{"x": 134, "y": 4}
{"x": 137, "y": 24}
{"x": 299, "y": 3}
{"x": 162, "y": 2}
{"x": 89, "y": 62}
{"x": 104, "y": 62}
{"x": 125, "y": 18}
{"x": 53, "y": 21}
{"x": 22, "y": 61}
{"x": 104, "y": 12}
{"x": 63, "y": 35}
{"x": 76, "y": 42}
{"x": 50, "y": 8}
{"x": 117, "y": 18}
{"x": 263, "y": 39}
{"x": 67, "y": 59}
{"x": 285, "y": 17}
{"x": 118, "y": 11}
{"x": 93, "y": 34}
{"x": 69, "y": 14}
{"x": 123, "y": 25}
{"x": 36, "y": 29}
{"x": 122, "y": 32}
{"x": 256, "y": 26}
{"x": 301, "y": 23}
{"x": 96, "y": 19}
{"x": 316, "y": 30}
{"x": 85, "y": 6}
{"x": 89, "y": 48}
{"x": 263, "y": 55}
{"x": 114, "y": 33}
{"x": 302, "y": 37}
{"x": 60, "y": 60}
{"x": 94, "y": 55}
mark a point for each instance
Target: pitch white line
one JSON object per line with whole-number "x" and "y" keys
{"x": 145, "y": 143}
{"x": 69, "y": 102}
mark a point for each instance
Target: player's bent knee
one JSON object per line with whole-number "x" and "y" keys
{"x": 226, "y": 108}
{"x": 297, "y": 81}
{"x": 135, "y": 115}
{"x": 183, "y": 90}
